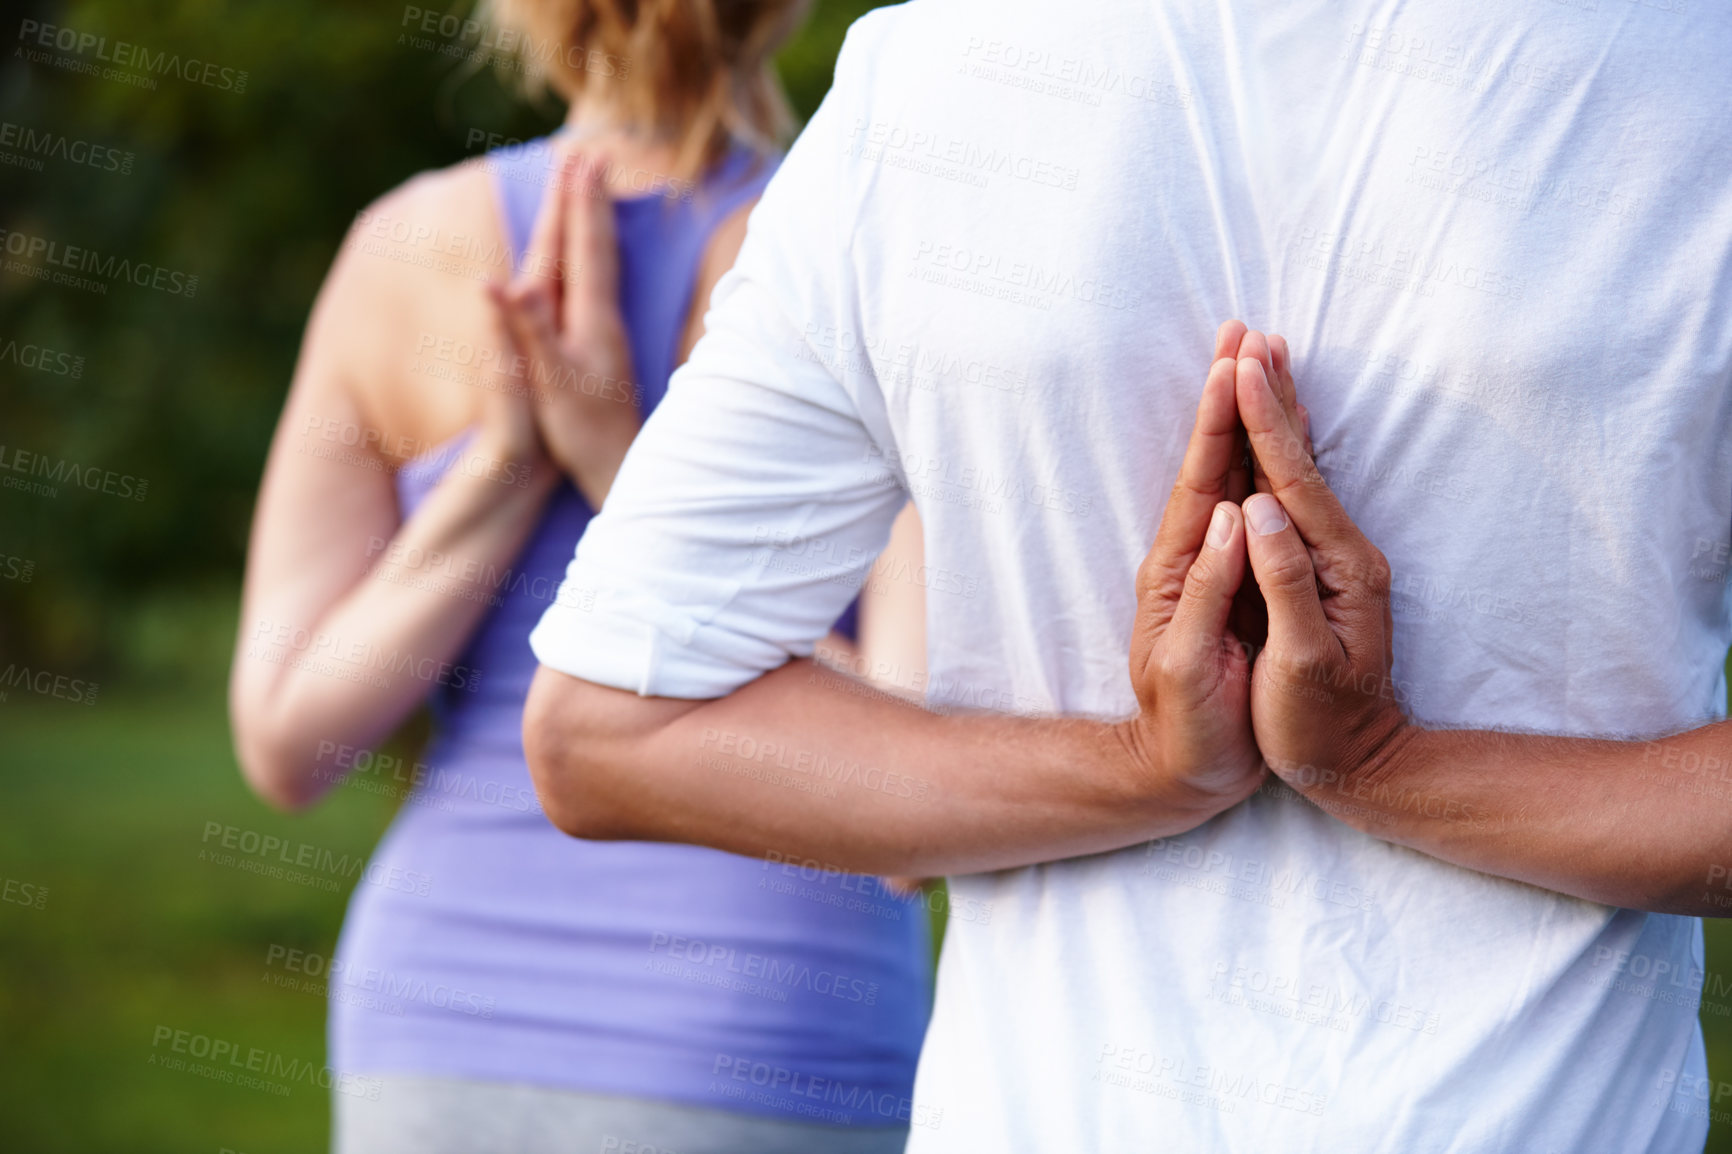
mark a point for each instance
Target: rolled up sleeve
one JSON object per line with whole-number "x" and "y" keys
{"x": 755, "y": 499}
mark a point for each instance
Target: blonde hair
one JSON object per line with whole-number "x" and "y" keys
{"x": 694, "y": 73}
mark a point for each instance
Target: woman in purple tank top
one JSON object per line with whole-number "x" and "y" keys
{"x": 487, "y": 344}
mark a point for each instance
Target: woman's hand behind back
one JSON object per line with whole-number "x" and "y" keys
{"x": 561, "y": 314}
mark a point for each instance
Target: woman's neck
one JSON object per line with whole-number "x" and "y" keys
{"x": 632, "y": 160}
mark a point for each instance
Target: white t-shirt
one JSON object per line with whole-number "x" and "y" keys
{"x": 1498, "y": 235}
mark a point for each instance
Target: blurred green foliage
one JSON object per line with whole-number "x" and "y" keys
{"x": 251, "y": 192}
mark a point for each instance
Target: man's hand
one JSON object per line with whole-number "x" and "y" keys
{"x": 1250, "y": 618}
{"x": 1190, "y": 671}
{"x": 1322, "y": 701}
{"x": 1581, "y": 816}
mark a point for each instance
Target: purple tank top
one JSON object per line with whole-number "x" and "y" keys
{"x": 482, "y": 943}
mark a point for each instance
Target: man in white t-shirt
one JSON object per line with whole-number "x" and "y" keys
{"x": 1461, "y": 913}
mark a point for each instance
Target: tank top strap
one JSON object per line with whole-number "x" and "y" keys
{"x": 522, "y": 173}
{"x": 740, "y": 176}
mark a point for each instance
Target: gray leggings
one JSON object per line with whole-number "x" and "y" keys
{"x": 421, "y": 1115}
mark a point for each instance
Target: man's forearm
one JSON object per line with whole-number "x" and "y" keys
{"x": 1645, "y": 825}
{"x": 806, "y": 762}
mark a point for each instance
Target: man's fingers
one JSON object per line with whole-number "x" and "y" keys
{"x": 1200, "y": 621}
{"x": 1282, "y": 567}
{"x": 1264, "y": 350}
{"x": 1282, "y": 357}
{"x": 1227, "y": 339}
{"x": 1293, "y": 477}
{"x": 1202, "y": 483}
{"x": 1240, "y": 482}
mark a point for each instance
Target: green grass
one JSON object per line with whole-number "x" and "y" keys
{"x": 108, "y": 806}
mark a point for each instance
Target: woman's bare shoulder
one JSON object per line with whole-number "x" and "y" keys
{"x": 436, "y": 211}
{"x": 719, "y": 254}
{"x": 404, "y": 310}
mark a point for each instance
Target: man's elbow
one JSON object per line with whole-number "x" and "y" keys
{"x": 570, "y": 779}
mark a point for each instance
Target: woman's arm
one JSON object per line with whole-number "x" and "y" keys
{"x": 893, "y": 613}
{"x": 350, "y": 617}
{"x": 892, "y": 653}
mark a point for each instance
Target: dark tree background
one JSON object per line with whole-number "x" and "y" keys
{"x": 251, "y": 193}
{"x": 114, "y": 925}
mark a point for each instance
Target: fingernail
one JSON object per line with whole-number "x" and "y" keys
{"x": 1220, "y": 528}
{"x": 1265, "y": 514}
{"x": 1262, "y": 372}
